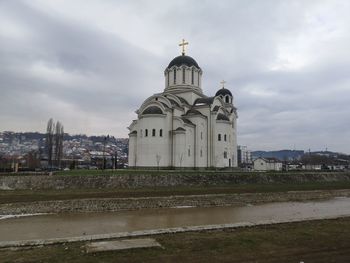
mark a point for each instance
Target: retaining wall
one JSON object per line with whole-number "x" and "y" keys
{"x": 162, "y": 178}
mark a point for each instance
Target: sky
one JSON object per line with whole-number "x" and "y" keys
{"x": 91, "y": 64}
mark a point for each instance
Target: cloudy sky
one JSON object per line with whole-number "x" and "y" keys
{"x": 90, "y": 64}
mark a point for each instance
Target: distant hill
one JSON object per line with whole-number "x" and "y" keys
{"x": 281, "y": 155}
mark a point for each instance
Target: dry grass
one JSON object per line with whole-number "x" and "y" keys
{"x": 7, "y": 196}
{"x": 313, "y": 241}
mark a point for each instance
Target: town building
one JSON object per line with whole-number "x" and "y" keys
{"x": 244, "y": 156}
{"x": 181, "y": 127}
{"x": 267, "y": 164}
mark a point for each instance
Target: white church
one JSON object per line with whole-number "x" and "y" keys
{"x": 183, "y": 128}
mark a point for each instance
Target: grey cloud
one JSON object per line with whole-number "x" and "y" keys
{"x": 93, "y": 79}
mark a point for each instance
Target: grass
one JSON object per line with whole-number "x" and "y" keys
{"x": 313, "y": 241}
{"x": 7, "y": 196}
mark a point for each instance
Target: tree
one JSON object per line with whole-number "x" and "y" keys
{"x": 59, "y": 143}
{"x": 50, "y": 141}
{"x": 181, "y": 159}
{"x": 158, "y": 157}
{"x": 33, "y": 160}
{"x": 54, "y": 142}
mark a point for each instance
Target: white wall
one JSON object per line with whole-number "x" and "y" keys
{"x": 149, "y": 147}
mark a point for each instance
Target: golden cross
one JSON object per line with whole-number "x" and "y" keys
{"x": 183, "y": 44}
{"x": 223, "y": 83}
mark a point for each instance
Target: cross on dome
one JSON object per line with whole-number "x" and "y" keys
{"x": 183, "y": 44}
{"x": 223, "y": 83}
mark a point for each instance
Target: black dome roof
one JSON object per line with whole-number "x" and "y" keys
{"x": 222, "y": 117}
{"x": 183, "y": 60}
{"x": 223, "y": 92}
{"x": 152, "y": 110}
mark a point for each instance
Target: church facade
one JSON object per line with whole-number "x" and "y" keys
{"x": 183, "y": 128}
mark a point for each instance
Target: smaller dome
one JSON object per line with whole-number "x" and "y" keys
{"x": 223, "y": 92}
{"x": 183, "y": 60}
{"x": 222, "y": 117}
{"x": 152, "y": 110}
{"x": 193, "y": 112}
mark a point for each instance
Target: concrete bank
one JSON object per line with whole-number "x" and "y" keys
{"x": 163, "y": 179}
{"x": 41, "y": 242}
{"x": 118, "y": 204}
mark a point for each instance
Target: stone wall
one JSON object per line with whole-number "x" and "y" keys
{"x": 163, "y": 178}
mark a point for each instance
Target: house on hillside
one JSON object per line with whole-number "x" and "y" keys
{"x": 267, "y": 164}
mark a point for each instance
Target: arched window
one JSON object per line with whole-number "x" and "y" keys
{"x": 146, "y": 133}
{"x": 189, "y": 152}
{"x": 153, "y": 132}
{"x": 219, "y": 137}
{"x": 160, "y": 133}
{"x": 183, "y": 75}
{"x": 227, "y": 99}
{"x": 225, "y": 155}
{"x": 192, "y": 76}
{"x": 174, "y": 75}
{"x": 201, "y": 153}
{"x": 225, "y": 137}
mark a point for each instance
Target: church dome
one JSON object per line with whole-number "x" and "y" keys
{"x": 183, "y": 60}
{"x": 223, "y": 92}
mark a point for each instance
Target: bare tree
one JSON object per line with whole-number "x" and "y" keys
{"x": 54, "y": 142}
{"x": 181, "y": 159}
{"x": 216, "y": 161}
{"x": 59, "y": 143}
{"x": 158, "y": 157}
{"x": 50, "y": 141}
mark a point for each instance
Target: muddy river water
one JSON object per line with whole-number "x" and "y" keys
{"x": 78, "y": 224}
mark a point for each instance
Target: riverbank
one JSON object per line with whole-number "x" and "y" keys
{"x": 310, "y": 241}
{"x": 134, "y": 203}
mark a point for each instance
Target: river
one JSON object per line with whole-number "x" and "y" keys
{"x": 78, "y": 224}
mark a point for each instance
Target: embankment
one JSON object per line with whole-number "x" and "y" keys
{"x": 117, "y": 204}
{"x": 139, "y": 179}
